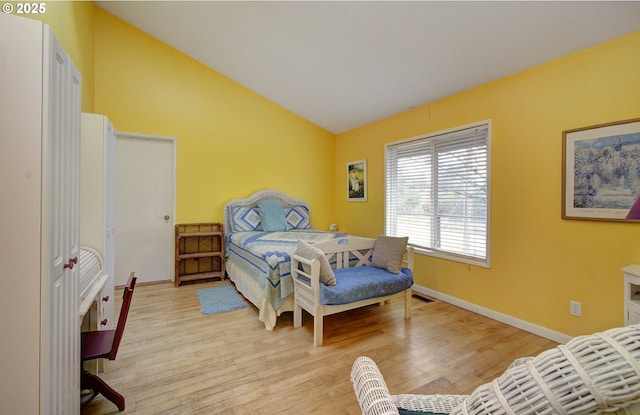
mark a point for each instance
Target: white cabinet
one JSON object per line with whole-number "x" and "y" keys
{"x": 97, "y": 203}
{"x": 631, "y": 294}
{"x": 40, "y": 93}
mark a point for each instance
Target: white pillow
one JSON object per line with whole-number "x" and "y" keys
{"x": 306, "y": 250}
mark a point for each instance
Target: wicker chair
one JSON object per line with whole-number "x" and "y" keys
{"x": 595, "y": 374}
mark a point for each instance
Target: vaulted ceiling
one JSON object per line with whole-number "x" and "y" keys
{"x": 343, "y": 64}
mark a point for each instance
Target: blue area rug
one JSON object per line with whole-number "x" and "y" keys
{"x": 219, "y": 299}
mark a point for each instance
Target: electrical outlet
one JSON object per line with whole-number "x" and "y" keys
{"x": 575, "y": 308}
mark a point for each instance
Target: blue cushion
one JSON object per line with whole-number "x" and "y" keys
{"x": 272, "y": 215}
{"x": 359, "y": 283}
{"x": 245, "y": 218}
{"x": 297, "y": 217}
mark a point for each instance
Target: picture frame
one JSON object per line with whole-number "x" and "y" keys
{"x": 601, "y": 172}
{"x": 357, "y": 181}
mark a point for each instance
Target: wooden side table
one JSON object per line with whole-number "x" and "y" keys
{"x": 199, "y": 252}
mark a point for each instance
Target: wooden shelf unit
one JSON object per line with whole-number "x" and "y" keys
{"x": 199, "y": 252}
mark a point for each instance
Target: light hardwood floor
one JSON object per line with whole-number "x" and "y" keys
{"x": 174, "y": 360}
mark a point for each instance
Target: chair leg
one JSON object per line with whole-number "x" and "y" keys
{"x": 297, "y": 315}
{"x": 317, "y": 329}
{"x": 90, "y": 381}
{"x": 408, "y": 294}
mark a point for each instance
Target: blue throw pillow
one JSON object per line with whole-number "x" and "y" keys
{"x": 272, "y": 215}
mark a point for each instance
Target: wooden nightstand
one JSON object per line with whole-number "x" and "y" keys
{"x": 199, "y": 252}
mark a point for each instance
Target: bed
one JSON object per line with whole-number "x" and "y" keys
{"x": 258, "y": 260}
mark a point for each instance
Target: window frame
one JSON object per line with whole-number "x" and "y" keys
{"x": 427, "y": 138}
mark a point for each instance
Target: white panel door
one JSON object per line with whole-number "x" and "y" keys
{"x": 61, "y": 156}
{"x": 145, "y": 182}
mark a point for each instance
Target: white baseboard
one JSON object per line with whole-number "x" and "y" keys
{"x": 504, "y": 318}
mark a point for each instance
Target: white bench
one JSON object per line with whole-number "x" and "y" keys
{"x": 344, "y": 254}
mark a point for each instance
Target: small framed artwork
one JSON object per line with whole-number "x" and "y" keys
{"x": 357, "y": 181}
{"x": 601, "y": 172}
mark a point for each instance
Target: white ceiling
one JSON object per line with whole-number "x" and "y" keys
{"x": 343, "y": 64}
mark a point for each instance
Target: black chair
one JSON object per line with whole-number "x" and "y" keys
{"x": 104, "y": 344}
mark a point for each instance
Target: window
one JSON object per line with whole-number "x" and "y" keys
{"x": 437, "y": 193}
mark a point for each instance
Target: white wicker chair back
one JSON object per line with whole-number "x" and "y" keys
{"x": 594, "y": 374}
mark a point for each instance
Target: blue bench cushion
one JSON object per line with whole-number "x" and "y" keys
{"x": 359, "y": 283}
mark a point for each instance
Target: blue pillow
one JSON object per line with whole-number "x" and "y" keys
{"x": 272, "y": 215}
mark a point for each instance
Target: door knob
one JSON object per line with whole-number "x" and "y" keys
{"x": 166, "y": 217}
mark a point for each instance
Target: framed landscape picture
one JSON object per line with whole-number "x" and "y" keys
{"x": 601, "y": 172}
{"x": 357, "y": 181}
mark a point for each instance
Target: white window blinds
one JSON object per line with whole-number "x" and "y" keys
{"x": 437, "y": 193}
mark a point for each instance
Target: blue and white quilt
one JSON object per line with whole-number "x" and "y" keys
{"x": 266, "y": 256}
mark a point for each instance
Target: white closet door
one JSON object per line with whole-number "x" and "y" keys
{"x": 54, "y": 186}
{"x": 71, "y": 343}
{"x": 39, "y": 126}
{"x": 60, "y": 383}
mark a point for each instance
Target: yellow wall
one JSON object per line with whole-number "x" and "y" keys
{"x": 539, "y": 262}
{"x": 231, "y": 141}
{"x": 72, "y": 23}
